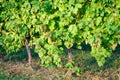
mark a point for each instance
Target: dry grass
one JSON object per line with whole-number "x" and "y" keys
{"x": 19, "y": 70}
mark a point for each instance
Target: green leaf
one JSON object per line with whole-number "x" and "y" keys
{"x": 73, "y": 29}
{"x": 68, "y": 44}
{"x": 52, "y": 25}
{"x": 69, "y": 65}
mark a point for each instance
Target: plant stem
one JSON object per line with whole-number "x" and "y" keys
{"x": 69, "y": 72}
{"x": 69, "y": 55}
{"x": 29, "y": 52}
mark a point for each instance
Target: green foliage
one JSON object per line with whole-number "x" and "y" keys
{"x": 76, "y": 70}
{"x": 70, "y": 65}
{"x": 52, "y": 25}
